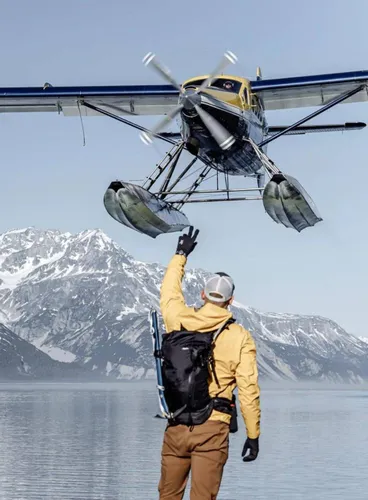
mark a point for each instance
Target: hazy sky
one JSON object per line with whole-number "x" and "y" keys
{"x": 50, "y": 180}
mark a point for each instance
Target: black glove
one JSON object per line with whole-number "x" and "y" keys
{"x": 253, "y": 446}
{"x": 186, "y": 243}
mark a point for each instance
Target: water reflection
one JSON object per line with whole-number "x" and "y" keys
{"x": 58, "y": 443}
{"x": 86, "y": 442}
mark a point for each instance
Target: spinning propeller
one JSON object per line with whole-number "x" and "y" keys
{"x": 192, "y": 100}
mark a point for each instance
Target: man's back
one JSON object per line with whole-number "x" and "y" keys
{"x": 234, "y": 352}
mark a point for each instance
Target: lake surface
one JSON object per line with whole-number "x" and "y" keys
{"x": 100, "y": 441}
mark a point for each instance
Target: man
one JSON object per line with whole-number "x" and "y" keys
{"x": 203, "y": 449}
{"x": 228, "y": 85}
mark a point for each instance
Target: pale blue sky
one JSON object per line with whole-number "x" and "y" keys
{"x": 49, "y": 180}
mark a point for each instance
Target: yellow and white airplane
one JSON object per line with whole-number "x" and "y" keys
{"x": 222, "y": 124}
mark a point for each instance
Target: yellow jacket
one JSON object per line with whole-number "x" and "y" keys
{"x": 234, "y": 353}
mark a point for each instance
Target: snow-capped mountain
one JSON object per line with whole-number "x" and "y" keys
{"x": 82, "y": 298}
{"x": 20, "y": 359}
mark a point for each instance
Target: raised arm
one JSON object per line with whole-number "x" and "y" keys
{"x": 172, "y": 302}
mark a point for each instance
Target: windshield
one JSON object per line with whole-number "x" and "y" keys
{"x": 218, "y": 83}
{"x": 194, "y": 83}
{"x": 226, "y": 84}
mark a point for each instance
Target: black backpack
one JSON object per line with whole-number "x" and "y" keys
{"x": 186, "y": 359}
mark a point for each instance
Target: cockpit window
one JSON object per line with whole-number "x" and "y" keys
{"x": 194, "y": 83}
{"x": 226, "y": 84}
{"x": 219, "y": 83}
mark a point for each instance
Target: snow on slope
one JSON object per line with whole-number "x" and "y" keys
{"x": 54, "y": 352}
{"x": 21, "y": 360}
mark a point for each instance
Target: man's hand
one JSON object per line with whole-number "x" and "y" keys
{"x": 187, "y": 243}
{"x": 253, "y": 446}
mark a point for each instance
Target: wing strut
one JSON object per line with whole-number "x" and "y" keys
{"x": 127, "y": 122}
{"x": 334, "y": 102}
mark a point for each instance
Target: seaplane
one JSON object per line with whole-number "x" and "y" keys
{"x": 223, "y": 127}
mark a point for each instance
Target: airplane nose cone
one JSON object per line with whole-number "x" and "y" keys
{"x": 190, "y": 99}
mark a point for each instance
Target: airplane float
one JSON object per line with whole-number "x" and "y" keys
{"x": 222, "y": 125}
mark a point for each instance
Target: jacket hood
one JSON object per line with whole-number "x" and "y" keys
{"x": 209, "y": 317}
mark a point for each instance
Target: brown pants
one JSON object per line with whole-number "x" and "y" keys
{"x": 203, "y": 450}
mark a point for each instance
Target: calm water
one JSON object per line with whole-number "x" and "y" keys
{"x": 66, "y": 441}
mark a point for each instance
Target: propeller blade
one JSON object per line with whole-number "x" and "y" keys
{"x": 222, "y": 136}
{"x": 227, "y": 57}
{"x": 147, "y": 137}
{"x": 219, "y": 133}
{"x": 150, "y": 58}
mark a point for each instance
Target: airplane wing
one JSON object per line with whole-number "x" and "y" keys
{"x": 305, "y": 91}
{"x": 280, "y": 93}
{"x": 121, "y": 100}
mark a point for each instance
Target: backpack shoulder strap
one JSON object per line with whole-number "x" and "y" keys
{"x": 222, "y": 328}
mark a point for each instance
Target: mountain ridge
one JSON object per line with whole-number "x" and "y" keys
{"x": 82, "y": 297}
